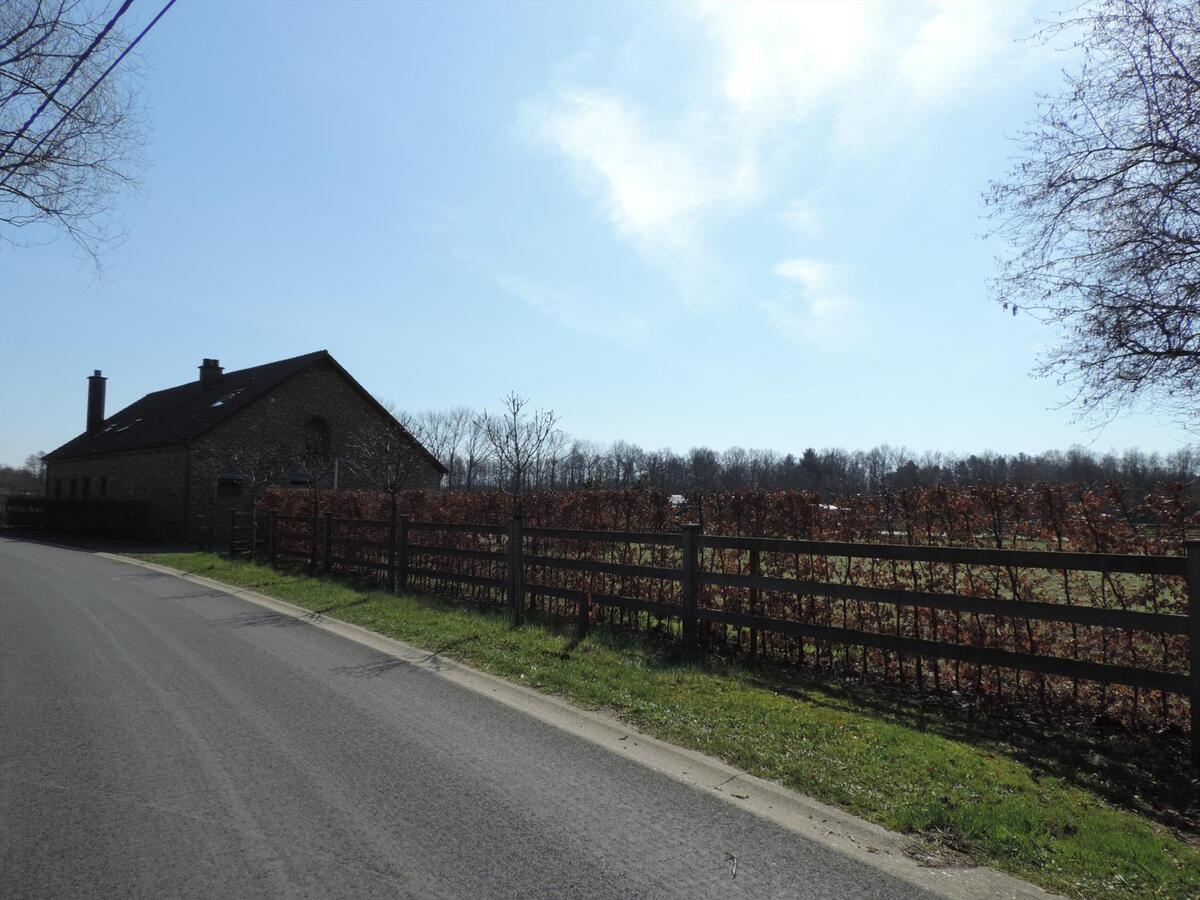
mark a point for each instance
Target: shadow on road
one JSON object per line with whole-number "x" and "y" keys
{"x": 381, "y": 665}
{"x": 86, "y": 544}
{"x": 247, "y": 620}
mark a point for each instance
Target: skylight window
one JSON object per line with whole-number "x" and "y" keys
{"x": 227, "y": 397}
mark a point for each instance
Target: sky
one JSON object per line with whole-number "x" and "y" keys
{"x": 673, "y": 223}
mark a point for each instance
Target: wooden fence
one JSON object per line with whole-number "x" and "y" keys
{"x": 698, "y": 583}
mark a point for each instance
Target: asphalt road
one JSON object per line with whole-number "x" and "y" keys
{"x": 161, "y": 740}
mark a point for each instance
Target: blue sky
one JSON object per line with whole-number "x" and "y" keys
{"x": 673, "y": 223}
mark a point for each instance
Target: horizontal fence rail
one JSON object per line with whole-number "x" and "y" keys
{"x": 1024, "y": 559}
{"x": 1046, "y": 612}
{"x": 715, "y": 588}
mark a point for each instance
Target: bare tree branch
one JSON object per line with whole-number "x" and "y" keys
{"x": 69, "y": 144}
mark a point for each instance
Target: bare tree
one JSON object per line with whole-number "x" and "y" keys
{"x": 257, "y": 466}
{"x": 516, "y": 437}
{"x": 1103, "y": 209}
{"x": 311, "y": 461}
{"x": 70, "y": 130}
{"x": 474, "y": 451}
{"x": 442, "y": 431}
{"x": 457, "y": 423}
{"x": 389, "y": 459}
{"x": 550, "y": 458}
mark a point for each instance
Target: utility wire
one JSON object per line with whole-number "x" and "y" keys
{"x": 95, "y": 84}
{"x": 79, "y": 61}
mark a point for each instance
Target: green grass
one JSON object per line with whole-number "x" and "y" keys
{"x": 1054, "y": 809}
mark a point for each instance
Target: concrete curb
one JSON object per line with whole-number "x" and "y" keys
{"x": 846, "y": 834}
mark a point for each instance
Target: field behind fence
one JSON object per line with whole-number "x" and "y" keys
{"x": 1050, "y": 601}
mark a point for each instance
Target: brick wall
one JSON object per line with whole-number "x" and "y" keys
{"x": 155, "y": 477}
{"x": 278, "y": 420}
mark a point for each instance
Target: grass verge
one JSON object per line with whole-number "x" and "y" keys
{"x": 988, "y": 793}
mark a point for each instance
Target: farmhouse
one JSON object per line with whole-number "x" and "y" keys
{"x": 183, "y": 454}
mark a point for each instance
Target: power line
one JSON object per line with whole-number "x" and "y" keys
{"x": 79, "y": 61}
{"x": 95, "y": 84}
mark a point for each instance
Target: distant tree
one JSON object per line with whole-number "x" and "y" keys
{"x": 550, "y": 458}
{"x": 70, "y": 136}
{"x": 474, "y": 451}
{"x": 517, "y": 437}
{"x": 627, "y": 461}
{"x": 35, "y": 465}
{"x": 562, "y": 463}
{"x": 1102, "y": 211}
{"x": 704, "y": 469}
{"x": 28, "y": 479}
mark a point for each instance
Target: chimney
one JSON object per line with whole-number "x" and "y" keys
{"x": 210, "y": 373}
{"x": 95, "y": 410}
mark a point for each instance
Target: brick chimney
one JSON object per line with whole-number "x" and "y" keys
{"x": 210, "y": 373}
{"x": 95, "y": 409}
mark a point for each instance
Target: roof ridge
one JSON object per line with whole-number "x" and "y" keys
{"x": 177, "y": 413}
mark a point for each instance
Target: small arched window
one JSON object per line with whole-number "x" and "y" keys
{"x": 317, "y": 435}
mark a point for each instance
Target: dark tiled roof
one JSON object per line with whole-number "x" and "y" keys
{"x": 176, "y": 414}
{"x": 173, "y": 415}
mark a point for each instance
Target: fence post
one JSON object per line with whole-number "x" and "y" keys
{"x": 1192, "y": 549}
{"x": 690, "y": 582}
{"x": 256, "y": 536}
{"x": 274, "y": 545}
{"x": 328, "y": 540}
{"x": 583, "y": 615}
{"x": 402, "y": 552}
{"x": 516, "y": 587}
{"x": 755, "y": 571}
{"x": 232, "y": 529}
{"x": 390, "y": 556}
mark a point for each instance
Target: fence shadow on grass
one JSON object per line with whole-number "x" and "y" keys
{"x": 1130, "y": 771}
{"x": 1151, "y": 777}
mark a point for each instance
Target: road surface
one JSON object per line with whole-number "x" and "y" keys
{"x": 158, "y": 739}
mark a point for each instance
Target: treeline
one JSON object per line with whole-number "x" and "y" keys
{"x": 456, "y": 439}
{"x": 23, "y": 480}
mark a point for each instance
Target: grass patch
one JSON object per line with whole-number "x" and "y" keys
{"x": 1005, "y": 794}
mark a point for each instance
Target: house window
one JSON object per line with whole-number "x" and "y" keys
{"x": 57, "y": 488}
{"x": 317, "y": 436}
{"x": 74, "y": 487}
{"x": 87, "y": 487}
{"x": 230, "y": 485}
{"x": 103, "y": 485}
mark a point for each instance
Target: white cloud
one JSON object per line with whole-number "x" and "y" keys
{"x": 782, "y": 59}
{"x": 816, "y": 312}
{"x": 585, "y": 315}
{"x": 879, "y": 69}
{"x": 655, "y": 185}
{"x": 810, "y": 274}
{"x": 768, "y": 78}
{"x": 801, "y": 218}
{"x": 658, "y": 184}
